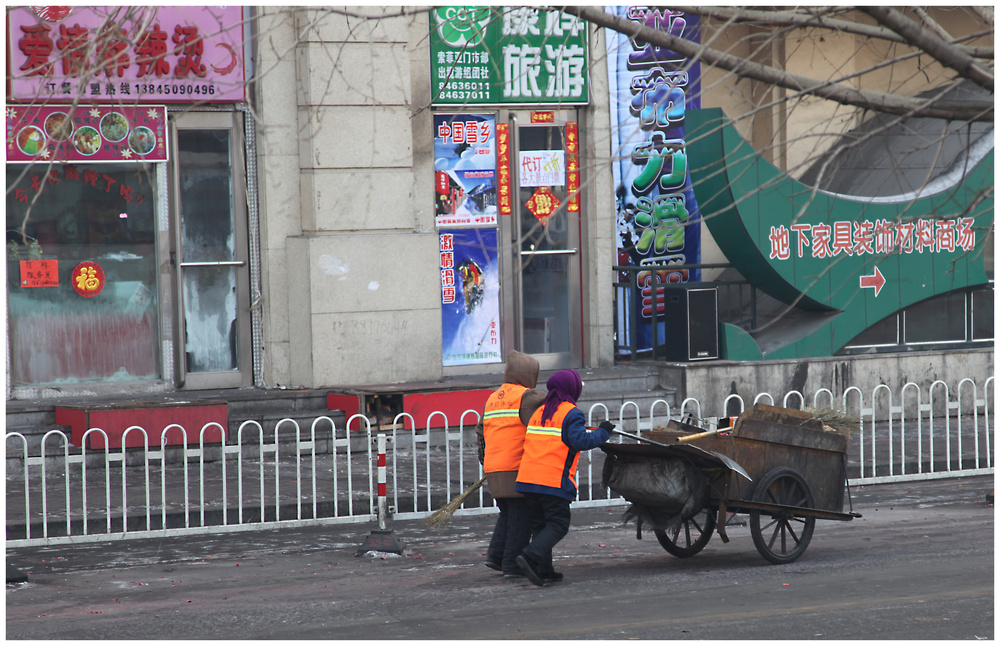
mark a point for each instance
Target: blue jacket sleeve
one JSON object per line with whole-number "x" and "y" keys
{"x": 576, "y": 436}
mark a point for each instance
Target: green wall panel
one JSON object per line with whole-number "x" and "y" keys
{"x": 812, "y": 248}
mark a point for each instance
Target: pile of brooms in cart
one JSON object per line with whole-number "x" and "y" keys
{"x": 676, "y": 485}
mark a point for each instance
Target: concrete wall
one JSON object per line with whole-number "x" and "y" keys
{"x": 351, "y": 258}
{"x": 349, "y": 245}
{"x": 711, "y": 382}
{"x": 598, "y": 210}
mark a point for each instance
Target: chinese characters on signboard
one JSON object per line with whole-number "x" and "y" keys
{"x": 86, "y": 133}
{"x": 504, "y": 204}
{"x": 465, "y": 178}
{"x": 657, "y": 217}
{"x": 470, "y": 296}
{"x": 858, "y": 238}
{"x": 126, "y": 54}
{"x": 507, "y": 55}
{"x": 543, "y": 168}
{"x": 573, "y": 166}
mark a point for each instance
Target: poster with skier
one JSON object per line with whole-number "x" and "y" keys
{"x": 470, "y": 296}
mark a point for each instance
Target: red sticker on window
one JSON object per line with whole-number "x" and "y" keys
{"x": 88, "y": 279}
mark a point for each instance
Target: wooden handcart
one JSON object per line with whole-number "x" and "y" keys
{"x": 777, "y": 465}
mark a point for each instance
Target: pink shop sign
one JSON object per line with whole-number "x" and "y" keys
{"x": 86, "y": 133}
{"x": 126, "y": 54}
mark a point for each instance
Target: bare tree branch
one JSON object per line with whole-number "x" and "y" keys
{"x": 812, "y": 17}
{"x": 944, "y": 53}
{"x": 866, "y": 99}
{"x": 985, "y": 12}
{"x": 933, "y": 25}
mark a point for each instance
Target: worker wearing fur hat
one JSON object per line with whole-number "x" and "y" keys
{"x": 556, "y": 434}
{"x": 501, "y": 435}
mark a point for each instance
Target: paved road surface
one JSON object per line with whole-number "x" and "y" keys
{"x": 918, "y": 565}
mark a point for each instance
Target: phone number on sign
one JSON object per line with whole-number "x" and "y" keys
{"x": 148, "y": 88}
{"x": 463, "y": 95}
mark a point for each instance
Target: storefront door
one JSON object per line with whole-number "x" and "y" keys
{"x": 543, "y": 240}
{"x": 209, "y": 255}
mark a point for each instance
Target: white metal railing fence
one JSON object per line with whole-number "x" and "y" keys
{"x": 336, "y": 494}
{"x": 288, "y": 477}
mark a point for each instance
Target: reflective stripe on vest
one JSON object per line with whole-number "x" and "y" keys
{"x": 547, "y": 459}
{"x": 503, "y": 430}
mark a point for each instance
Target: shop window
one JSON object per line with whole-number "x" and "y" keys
{"x": 885, "y": 332}
{"x": 937, "y": 320}
{"x": 982, "y": 314}
{"x": 950, "y": 319}
{"x": 81, "y": 273}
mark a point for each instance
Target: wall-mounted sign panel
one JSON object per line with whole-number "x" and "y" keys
{"x": 658, "y": 222}
{"x": 507, "y": 56}
{"x": 858, "y": 260}
{"x": 86, "y": 133}
{"x": 126, "y": 55}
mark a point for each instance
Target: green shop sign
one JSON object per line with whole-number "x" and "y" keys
{"x": 507, "y": 56}
{"x": 856, "y": 261}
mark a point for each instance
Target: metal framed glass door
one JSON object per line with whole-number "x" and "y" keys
{"x": 210, "y": 250}
{"x": 544, "y": 244}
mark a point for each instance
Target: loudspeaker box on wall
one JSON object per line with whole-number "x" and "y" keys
{"x": 692, "y": 323}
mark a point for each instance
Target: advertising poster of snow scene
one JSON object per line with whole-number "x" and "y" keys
{"x": 470, "y": 296}
{"x": 465, "y": 184}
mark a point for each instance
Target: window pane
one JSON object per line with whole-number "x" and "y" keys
{"x": 545, "y": 278}
{"x": 937, "y": 319}
{"x": 63, "y": 330}
{"x": 208, "y": 235}
{"x": 885, "y": 332}
{"x": 982, "y": 314}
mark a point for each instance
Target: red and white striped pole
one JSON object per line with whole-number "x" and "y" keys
{"x": 383, "y": 501}
{"x": 381, "y": 539}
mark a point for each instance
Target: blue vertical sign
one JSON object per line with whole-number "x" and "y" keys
{"x": 658, "y": 224}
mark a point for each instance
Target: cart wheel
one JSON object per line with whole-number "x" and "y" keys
{"x": 690, "y": 536}
{"x": 786, "y": 536}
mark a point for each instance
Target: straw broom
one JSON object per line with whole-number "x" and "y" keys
{"x": 440, "y": 518}
{"x": 838, "y": 421}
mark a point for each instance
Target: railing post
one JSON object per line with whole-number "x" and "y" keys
{"x": 381, "y": 539}
{"x": 383, "y": 502}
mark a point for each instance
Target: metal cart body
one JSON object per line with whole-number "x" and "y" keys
{"x": 778, "y": 465}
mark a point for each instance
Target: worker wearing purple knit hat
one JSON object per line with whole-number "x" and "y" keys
{"x": 557, "y": 432}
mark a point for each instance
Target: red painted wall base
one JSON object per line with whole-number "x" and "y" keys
{"x": 115, "y": 420}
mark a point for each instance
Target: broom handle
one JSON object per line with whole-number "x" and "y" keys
{"x": 688, "y": 438}
{"x": 629, "y": 435}
{"x": 636, "y": 437}
{"x": 685, "y": 438}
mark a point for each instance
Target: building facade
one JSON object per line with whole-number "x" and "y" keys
{"x": 375, "y": 196}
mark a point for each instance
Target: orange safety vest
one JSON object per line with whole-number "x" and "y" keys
{"x": 503, "y": 430}
{"x": 546, "y": 457}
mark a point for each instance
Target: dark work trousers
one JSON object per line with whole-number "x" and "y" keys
{"x": 549, "y": 523}
{"x": 511, "y": 534}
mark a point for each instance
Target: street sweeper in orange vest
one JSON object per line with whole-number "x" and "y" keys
{"x": 556, "y": 434}
{"x": 505, "y": 420}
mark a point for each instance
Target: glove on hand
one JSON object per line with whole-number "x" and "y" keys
{"x": 607, "y": 426}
